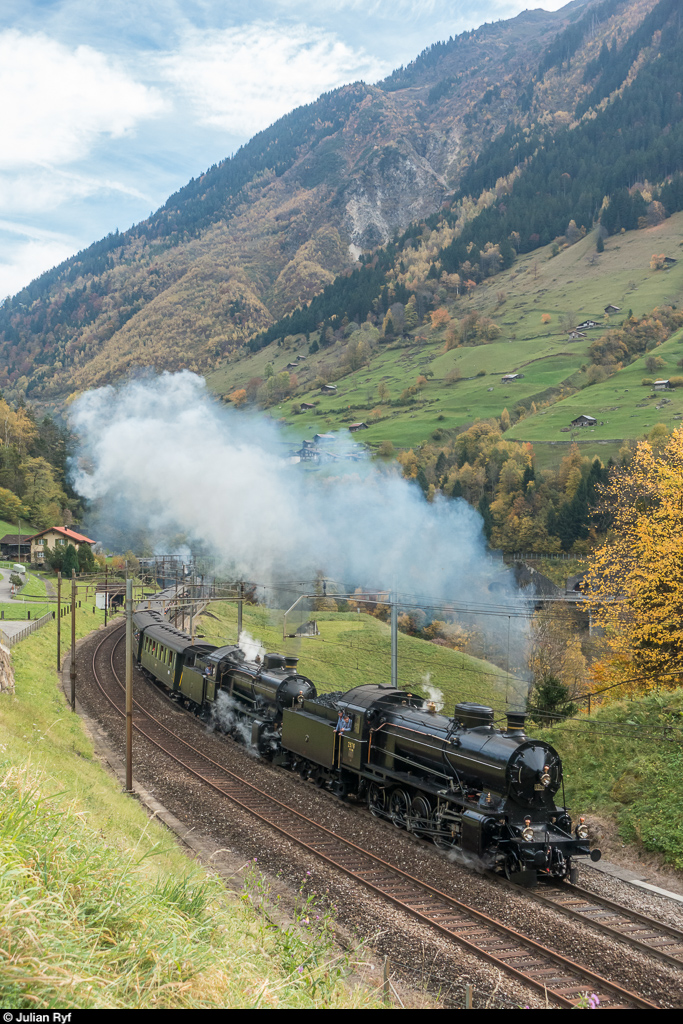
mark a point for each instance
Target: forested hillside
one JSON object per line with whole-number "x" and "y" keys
{"x": 488, "y": 145}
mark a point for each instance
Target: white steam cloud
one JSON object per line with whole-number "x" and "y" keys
{"x": 161, "y": 456}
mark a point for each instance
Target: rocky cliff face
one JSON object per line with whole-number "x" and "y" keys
{"x": 6, "y": 671}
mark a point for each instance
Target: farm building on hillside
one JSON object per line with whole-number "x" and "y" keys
{"x": 612, "y": 309}
{"x": 662, "y": 385}
{"x": 15, "y": 546}
{"x": 510, "y": 377}
{"x": 584, "y": 421}
{"x": 307, "y": 405}
{"x": 669, "y": 261}
{"x": 323, "y": 438}
{"x": 291, "y": 366}
{"x": 53, "y": 537}
{"x": 353, "y": 427}
{"x": 587, "y": 325}
{"x": 328, "y": 389}
{"x": 575, "y": 335}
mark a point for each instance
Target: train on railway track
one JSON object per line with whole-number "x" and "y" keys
{"x": 461, "y": 782}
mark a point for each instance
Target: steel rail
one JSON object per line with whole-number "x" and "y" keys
{"x": 531, "y": 963}
{"x": 604, "y": 915}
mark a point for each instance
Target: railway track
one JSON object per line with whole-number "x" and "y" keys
{"x": 560, "y": 979}
{"x": 644, "y": 933}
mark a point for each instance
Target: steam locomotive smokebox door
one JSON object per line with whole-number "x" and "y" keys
{"x": 307, "y": 735}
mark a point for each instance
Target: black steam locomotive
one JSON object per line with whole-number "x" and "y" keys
{"x": 486, "y": 792}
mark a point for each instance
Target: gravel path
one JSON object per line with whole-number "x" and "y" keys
{"x": 389, "y": 931}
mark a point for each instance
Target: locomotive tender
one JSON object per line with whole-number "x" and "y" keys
{"x": 486, "y": 792}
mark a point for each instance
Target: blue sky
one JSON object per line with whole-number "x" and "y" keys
{"x": 108, "y": 108}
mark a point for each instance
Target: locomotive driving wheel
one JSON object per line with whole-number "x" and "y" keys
{"x": 399, "y": 803}
{"x": 420, "y": 814}
{"x": 376, "y": 800}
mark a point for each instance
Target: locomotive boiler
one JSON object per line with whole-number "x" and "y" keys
{"x": 461, "y": 782}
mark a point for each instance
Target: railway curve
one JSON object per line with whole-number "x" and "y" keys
{"x": 530, "y": 962}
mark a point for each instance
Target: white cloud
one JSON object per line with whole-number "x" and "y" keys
{"x": 245, "y": 78}
{"x": 43, "y": 190}
{"x": 56, "y": 101}
{"x": 27, "y": 251}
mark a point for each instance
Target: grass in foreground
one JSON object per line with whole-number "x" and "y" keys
{"x": 99, "y": 907}
{"x": 626, "y": 762}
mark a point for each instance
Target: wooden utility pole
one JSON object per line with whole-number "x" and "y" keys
{"x": 59, "y": 621}
{"x": 106, "y": 591}
{"x": 129, "y": 686}
{"x": 72, "y": 667}
{"x": 394, "y": 638}
{"x": 240, "y": 592}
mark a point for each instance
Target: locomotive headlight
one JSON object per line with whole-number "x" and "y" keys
{"x": 527, "y": 831}
{"x": 582, "y": 829}
{"x": 545, "y": 777}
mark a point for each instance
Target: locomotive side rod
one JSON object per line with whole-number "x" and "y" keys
{"x": 486, "y": 937}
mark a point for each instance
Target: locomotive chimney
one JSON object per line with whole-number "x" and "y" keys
{"x": 291, "y": 661}
{"x": 516, "y": 721}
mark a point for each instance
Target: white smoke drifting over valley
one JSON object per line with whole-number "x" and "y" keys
{"x": 160, "y": 455}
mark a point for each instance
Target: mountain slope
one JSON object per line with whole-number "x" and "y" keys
{"x": 263, "y": 232}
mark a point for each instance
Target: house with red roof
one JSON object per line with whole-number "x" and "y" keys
{"x": 55, "y": 536}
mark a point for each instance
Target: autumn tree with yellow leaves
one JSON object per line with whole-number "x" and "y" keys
{"x": 635, "y": 582}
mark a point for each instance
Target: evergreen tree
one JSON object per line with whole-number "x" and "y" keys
{"x": 86, "y": 559}
{"x": 70, "y": 561}
{"x": 549, "y": 701}
{"x": 410, "y": 315}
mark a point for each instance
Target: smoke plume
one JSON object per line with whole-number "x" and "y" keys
{"x": 160, "y": 456}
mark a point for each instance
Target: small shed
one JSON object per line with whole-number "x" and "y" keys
{"x": 612, "y": 309}
{"x": 506, "y": 378}
{"x": 16, "y": 546}
{"x": 307, "y": 405}
{"x": 584, "y": 421}
{"x": 669, "y": 261}
{"x": 323, "y": 438}
{"x": 662, "y": 385}
{"x": 575, "y": 335}
{"x": 291, "y": 366}
{"x": 299, "y": 358}
{"x": 353, "y": 427}
{"x": 328, "y": 389}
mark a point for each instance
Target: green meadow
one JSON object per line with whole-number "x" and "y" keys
{"x": 575, "y": 285}
{"x": 100, "y": 907}
{"x": 354, "y": 649}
